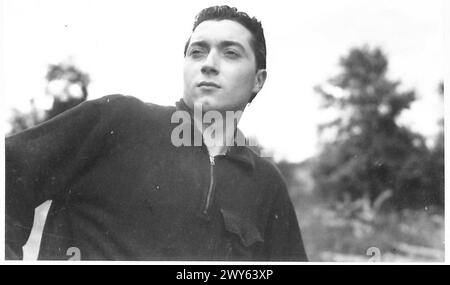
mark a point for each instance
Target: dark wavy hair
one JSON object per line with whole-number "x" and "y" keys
{"x": 218, "y": 13}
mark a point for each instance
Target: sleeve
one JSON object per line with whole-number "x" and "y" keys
{"x": 283, "y": 237}
{"x": 40, "y": 161}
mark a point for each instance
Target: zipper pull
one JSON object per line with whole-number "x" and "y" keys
{"x": 211, "y": 160}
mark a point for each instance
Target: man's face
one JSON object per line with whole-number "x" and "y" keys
{"x": 219, "y": 68}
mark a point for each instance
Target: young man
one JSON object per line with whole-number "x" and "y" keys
{"x": 124, "y": 188}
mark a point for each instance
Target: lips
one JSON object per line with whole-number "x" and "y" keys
{"x": 208, "y": 84}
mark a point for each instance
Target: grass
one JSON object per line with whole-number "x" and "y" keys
{"x": 331, "y": 232}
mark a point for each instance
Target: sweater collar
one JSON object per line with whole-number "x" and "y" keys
{"x": 240, "y": 154}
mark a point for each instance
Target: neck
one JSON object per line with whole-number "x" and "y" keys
{"x": 218, "y": 130}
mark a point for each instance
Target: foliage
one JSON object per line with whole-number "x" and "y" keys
{"x": 66, "y": 85}
{"x": 371, "y": 153}
{"x": 69, "y": 87}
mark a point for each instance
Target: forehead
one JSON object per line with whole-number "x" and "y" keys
{"x": 214, "y": 32}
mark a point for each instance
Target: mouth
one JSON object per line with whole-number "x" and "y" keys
{"x": 208, "y": 84}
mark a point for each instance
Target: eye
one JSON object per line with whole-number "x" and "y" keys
{"x": 231, "y": 53}
{"x": 196, "y": 52}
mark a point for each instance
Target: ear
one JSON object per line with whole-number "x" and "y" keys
{"x": 260, "y": 78}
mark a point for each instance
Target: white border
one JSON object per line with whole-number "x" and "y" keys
{"x": 446, "y": 67}
{"x": 446, "y": 38}
{"x": 2, "y": 144}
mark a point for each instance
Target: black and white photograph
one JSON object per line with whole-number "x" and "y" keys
{"x": 223, "y": 131}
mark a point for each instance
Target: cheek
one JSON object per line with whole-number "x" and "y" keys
{"x": 188, "y": 74}
{"x": 244, "y": 80}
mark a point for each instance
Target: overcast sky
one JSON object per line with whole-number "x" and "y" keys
{"x": 136, "y": 48}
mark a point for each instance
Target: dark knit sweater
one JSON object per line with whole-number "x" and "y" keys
{"x": 122, "y": 191}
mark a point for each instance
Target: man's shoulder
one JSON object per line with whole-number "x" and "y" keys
{"x": 267, "y": 169}
{"x": 120, "y": 102}
{"x": 126, "y": 108}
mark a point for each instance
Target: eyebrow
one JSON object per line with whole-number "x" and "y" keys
{"x": 222, "y": 44}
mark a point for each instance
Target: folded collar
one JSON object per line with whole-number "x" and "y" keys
{"x": 241, "y": 154}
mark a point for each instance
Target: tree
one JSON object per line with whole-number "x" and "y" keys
{"x": 436, "y": 162}
{"x": 371, "y": 154}
{"x": 66, "y": 85}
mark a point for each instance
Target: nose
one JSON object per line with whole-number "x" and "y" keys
{"x": 210, "y": 64}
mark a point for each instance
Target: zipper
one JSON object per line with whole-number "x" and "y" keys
{"x": 209, "y": 195}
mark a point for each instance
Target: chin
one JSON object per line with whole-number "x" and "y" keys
{"x": 211, "y": 102}
{"x": 209, "y": 106}
{"x": 207, "y": 103}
